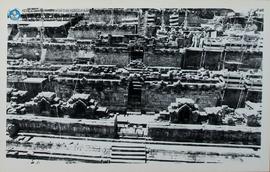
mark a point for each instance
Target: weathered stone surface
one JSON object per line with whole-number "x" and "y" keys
{"x": 189, "y": 133}
{"x": 154, "y": 100}
{"x": 73, "y": 127}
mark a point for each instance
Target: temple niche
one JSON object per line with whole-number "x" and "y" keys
{"x": 82, "y": 106}
{"x": 184, "y": 111}
{"x": 47, "y": 104}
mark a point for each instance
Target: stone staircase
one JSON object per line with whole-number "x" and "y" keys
{"x": 134, "y": 99}
{"x": 128, "y": 154}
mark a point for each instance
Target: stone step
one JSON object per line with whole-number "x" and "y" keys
{"x": 128, "y": 157}
{"x": 128, "y": 154}
{"x": 127, "y": 150}
{"x": 137, "y": 86}
{"x": 125, "y": 153}
{"x": 126, "y": 161}
{"x": 128, "y": 137}
{"x": 129, "y": 147}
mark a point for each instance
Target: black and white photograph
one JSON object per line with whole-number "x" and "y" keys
{"x": 134, "y": 85}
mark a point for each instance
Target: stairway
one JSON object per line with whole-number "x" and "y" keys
{"x": 128, "y": 154}
{"x": 137, "y": 85}
{"x": 134, "y": 96}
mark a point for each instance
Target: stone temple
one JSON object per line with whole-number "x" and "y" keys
{"x": 115, "y": 85}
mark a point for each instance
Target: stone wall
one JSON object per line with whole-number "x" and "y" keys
{"x": 150, "y": 58}
{"x": 192, "y": 59}
{"x": 231, "y": 97}
{"x": 115, "y": 95}
{"x": 189, "y": 133}
{"x": 29, "y": 32}
{"x": 153, "y": 100}
{"x": 212, "y": 60}
{"x": 28, "y": 51}
{"x": 163, "y": 59}
{"x": 60, "y": 54}
{"x": 254, "y": 96}
{"x": 112, "y": 97}
{"x": 93, "y": 33}
{"x": 250, "y": 60}
{"x": 119, "y": 59}
{"x": 32, "y": 88}
{"x": 60, "y": 126}
{"x": 105, "y": 15}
